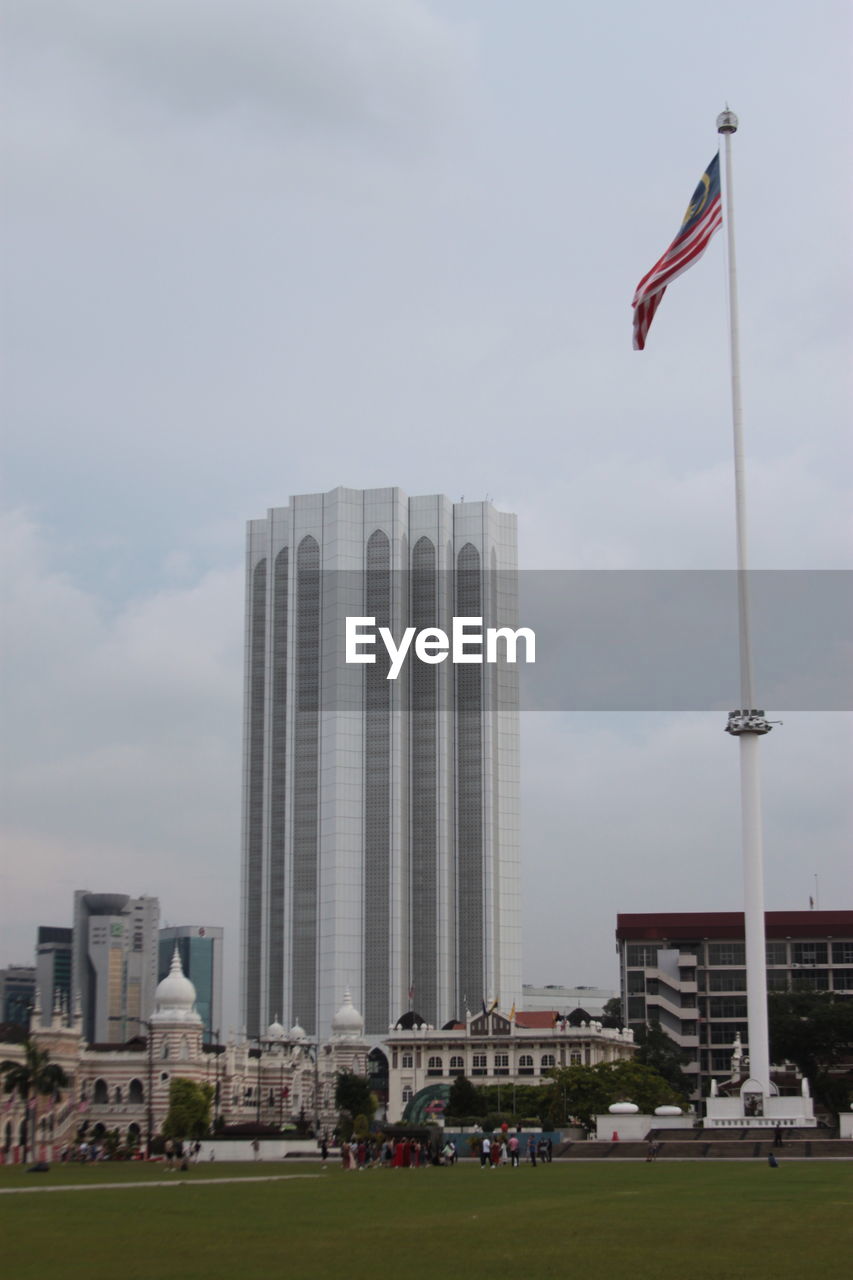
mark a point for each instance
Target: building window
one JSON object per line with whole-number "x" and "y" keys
{"x": 729, "y": 980}
{"x": 842, "y": 953}
{"x": 407, "y": 1062}
{"x": 727, "y": 1007}
{"x": 478, "y": 1062}
{"x": 725, "y": 1032}
{"x": 809, "y": 953}
{"x": 407, "y": 1093}
{"x": 721, "y": 1060}
{"x": 575, "y": 1058}
{"x": 777, "y": 980}
{"x": 726, "y": 953}
{"x": 636, "y": 982}
{"x": 811, "y": 979}
{"x": 777, "y": 953}
{"x": 501, "y": 1064}
{"x": 636, "y": 1009}
{"x": 435, "y": 1067}
{"x": 842, "y": 979}
{"x": 525, "y": 1064}
{"x": 641, "y": 956}
{"x": 548, "y": 1060}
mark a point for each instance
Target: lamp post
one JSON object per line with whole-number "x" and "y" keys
{"x": 149, "y": 1042}
{"x": 216, "y": 1087}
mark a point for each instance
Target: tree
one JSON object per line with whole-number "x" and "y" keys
{"x": 465, "y": 1099}
{"x": 659, "y": 1051}
{"x": 611, "y": 1015}
{"x": 35, "y": 1075}
{"x": 585, "y": 1092}
{"x": 814, "y": 1030}
{"x": 189, "y": 1109}
{"x": 353, "y": 1095}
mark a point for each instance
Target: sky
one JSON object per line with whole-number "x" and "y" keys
{"x": 265, "y": 248}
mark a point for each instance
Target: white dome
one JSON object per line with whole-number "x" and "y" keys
{"x": 175, "y": 996}
{"x": 623, "y": 1109}
{"x": 297, "y": 1032}
{"x": 347, "y": 1023}
{"x": 275, "y": 1031}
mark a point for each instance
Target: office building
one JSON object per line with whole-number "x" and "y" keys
{"x": 53, "y": 968}
{"x": 114, "y": 963}
{"x": 17, "y": 994}
{"x": 687, "y": 972}
{"x": 380, "y": 816}
{"x": 200, "y": 949}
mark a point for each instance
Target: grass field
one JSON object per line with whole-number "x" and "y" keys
{"x": 663, "y": 1221}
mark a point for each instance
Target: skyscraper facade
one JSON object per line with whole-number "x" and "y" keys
{"x": 54, "y": 946}
{"x": 200, "y": 949}
{"x": 114, "y": 963}
{"x": 380, "y": 816}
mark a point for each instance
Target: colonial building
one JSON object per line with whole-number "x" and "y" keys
{"x": 492, "y": 1049}
{"x": 273, "y": 1080}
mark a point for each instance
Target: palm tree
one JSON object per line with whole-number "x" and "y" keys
{"x": 35, "y": 1075}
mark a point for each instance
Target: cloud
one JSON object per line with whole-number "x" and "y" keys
{"x": 121, "y": 740}
{"x": 388, "y": 67}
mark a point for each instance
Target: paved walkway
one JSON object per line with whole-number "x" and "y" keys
{"x": 169, "y": 1182}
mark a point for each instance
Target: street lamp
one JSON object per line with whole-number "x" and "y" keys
{"x": 149, "y": 1041}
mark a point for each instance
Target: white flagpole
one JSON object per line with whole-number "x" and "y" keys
{"x": 747, "y": 723}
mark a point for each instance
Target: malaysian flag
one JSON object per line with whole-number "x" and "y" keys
{"x": 704, "y": 216}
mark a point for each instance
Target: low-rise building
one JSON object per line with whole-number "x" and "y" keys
{"x": 687, "y": 972}
{"x": 491, "y": 1048}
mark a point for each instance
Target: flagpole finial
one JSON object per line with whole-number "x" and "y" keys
{"x": 727, "y": 122}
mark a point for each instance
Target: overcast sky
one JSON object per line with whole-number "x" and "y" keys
{"x": 253, "y": 248}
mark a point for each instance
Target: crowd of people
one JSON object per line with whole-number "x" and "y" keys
{"x": 506, "y": 1149}
{"x": 416, "y": 1153}
{"x": 391, "y": 1153}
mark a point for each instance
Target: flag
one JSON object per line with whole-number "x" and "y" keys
{"x": 704, "y": 216}
{"x": 411, "y": 993}
{"x": 512, "y": 1012}
{"x": 490, "y": 1007}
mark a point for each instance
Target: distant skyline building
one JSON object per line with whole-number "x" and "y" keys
{"x": 114, "y": 963}
{"x": 54, "y": 947}
{"x": 17, "y": 994}
{"x": 566, "y": 999}
{"x": 200, "y": 949}
{"x": 380, "y": 845}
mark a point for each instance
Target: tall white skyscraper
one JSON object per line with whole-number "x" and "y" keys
{"x": 380, "y": 817}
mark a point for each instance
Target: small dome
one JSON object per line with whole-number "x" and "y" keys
{"x": 623, "y": 1109}
{"x": 275, "y": 1031}
{"x": 347, "y": 1023}
{"x": 175, "y": 995}
{"x": 297, "y": 1032}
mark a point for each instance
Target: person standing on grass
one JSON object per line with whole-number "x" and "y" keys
{"x": 485, "y": 1152}
{"x": 513, "y": 1150}
{"x": 531, "y": 1150}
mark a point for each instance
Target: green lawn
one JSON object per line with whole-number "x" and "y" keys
{"x": 664, "y": 1221}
